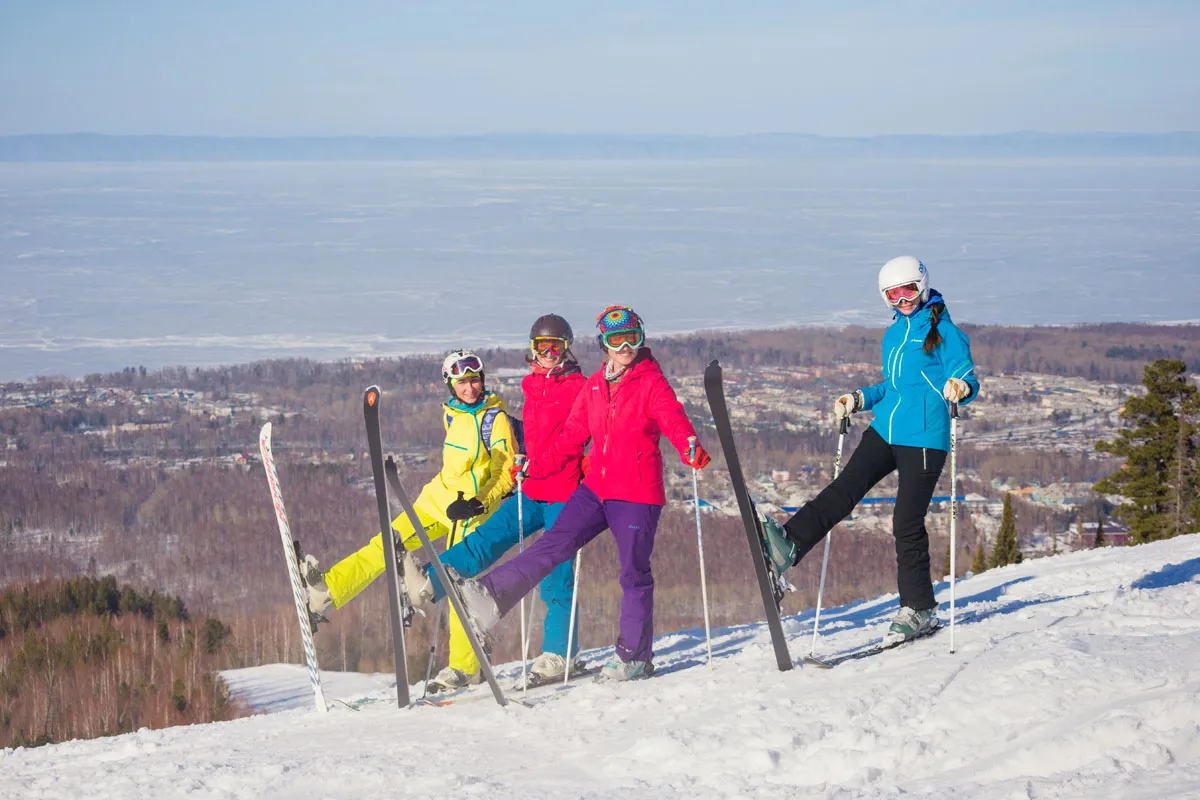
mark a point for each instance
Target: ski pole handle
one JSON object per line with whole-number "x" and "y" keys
{"x": 954, "y": 411}
{"x": 844, "y": 425}
{"x": 521, "y": 463}
{"x": 692, "y": 449}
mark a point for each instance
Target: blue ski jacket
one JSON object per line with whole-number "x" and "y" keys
{"x": 908, "y": 403}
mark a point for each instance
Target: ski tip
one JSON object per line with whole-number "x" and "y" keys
{"x": 372, "y": 396}
{"x": 264, "y": 433}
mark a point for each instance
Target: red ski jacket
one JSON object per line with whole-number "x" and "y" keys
{"x": 624, "y": 420}
{"x": 549, "y": 397}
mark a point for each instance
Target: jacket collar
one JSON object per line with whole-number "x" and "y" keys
{"x": 486, "y": 400}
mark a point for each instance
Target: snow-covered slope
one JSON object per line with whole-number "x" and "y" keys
{"x": 1074, "y": 676}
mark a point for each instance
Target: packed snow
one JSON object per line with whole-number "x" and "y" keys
{"x": 1073, "y": 676}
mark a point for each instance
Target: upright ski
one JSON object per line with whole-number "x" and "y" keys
{"x": 768, "y": 583}
{"x": 396, "y": 595}
{"x": 485, "y": 666}
{"x": 293, "y": 567}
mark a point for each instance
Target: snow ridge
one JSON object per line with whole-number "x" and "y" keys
{"x": 1075, "y": 676}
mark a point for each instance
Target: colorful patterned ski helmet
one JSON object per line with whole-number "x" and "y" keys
{"x": 618, "y": 318}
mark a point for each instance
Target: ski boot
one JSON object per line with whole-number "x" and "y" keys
{"x": 618, "y": 670}
{"x": 779, "y": 552}
{"x": 482, "y": 613}
{"x": 317, "y": 599}
{"x": 449, "y": 679}
{"x": 911, "y": 624}
{"x": 418, "y": 587}
{"x": 549, "y": 667}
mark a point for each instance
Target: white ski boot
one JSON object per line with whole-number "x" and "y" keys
{"x": 317, "y": 598}
{"x": 549, "y": 667}
{"x": 449, "y": 679}
{"x": 481, "y": 609}
{"x": 417, "y": 584}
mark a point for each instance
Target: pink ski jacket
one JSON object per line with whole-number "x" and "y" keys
{"x": 549, "y": 397}
{"x": 624, "y": 420}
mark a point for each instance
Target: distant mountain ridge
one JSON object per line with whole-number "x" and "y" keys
{"x": 79, "y": 147}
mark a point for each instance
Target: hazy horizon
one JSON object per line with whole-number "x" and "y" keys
{"x": 159, "y": 264}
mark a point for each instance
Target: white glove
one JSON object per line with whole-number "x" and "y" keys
{"x": 955, "y": 390}
{"x": 846, "y": 405}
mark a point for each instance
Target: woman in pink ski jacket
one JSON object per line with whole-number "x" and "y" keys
{"x": 623, "y": 410}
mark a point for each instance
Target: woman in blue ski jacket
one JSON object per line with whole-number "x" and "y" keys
{"x": 926, "y": 366}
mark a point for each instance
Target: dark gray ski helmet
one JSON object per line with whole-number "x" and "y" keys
{"x": 552, "y": 326}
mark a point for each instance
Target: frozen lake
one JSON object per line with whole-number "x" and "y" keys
{"x": 113, "y": 265}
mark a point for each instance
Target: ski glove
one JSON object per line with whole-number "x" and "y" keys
{"x": 520, "y": 469}
{"x": 846, "y": 405}
{"x": 699, "y": 460}
{"x": 956, "y": 390}
{"x": 462, "y": 509}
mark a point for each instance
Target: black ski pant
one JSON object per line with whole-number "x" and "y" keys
{"x": 873, "y": 460}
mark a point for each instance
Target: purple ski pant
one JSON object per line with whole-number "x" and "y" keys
{"x": 582, "y": 519}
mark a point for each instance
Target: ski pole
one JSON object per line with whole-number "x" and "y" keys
{"x": 953, "y": 511}
{"x": 700, "y": 546}
{"x": 571, "y": 623}
{"x": 837, "y": 468}
{"x": 520, "y": 461}
{"x": 437, "y": 623}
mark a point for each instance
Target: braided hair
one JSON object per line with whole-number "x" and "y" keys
{"x": 933, "y": 338}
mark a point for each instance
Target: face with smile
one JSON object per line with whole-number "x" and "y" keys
{"x": 623, "y": 357}
{"x": 904, "y": 298}
{"x": 468, "y": 389}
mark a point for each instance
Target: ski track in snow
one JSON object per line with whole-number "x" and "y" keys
{"x": 1074, "y": 676}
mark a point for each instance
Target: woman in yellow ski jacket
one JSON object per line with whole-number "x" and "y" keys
{"x": 477, "y": 461}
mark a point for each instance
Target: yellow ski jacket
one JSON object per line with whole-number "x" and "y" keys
{"x": 467, "y": 466}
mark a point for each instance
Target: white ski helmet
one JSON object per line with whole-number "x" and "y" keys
{"x": 459, "y": 364}
{"x": 900, "y": 271}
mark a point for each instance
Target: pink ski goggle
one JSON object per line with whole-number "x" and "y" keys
{"x": 899, "y": 294}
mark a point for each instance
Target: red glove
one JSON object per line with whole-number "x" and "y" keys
{"x": 520, "y": 470}
{"x": 699, "y": 459}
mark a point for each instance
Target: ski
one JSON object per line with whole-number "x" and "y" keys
{"x": 770, "y": 584}
{"x": 535, "y": 681}
{"x": 861, "y": 653}
{"x": 485, "y": 666}
{"x": 397, "y": 600}
{"x": 293, "y": 567}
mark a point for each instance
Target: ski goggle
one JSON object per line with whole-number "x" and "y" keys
{"x": 623, "y": 340}
{"x": 471, "y": 365}
{"x": 899, "y": 294}
{"x": 548, "y": 346}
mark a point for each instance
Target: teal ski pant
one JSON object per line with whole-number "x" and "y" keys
{"x": 488, "y": 543}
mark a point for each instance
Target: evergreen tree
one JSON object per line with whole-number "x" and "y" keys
{"x": 1006, "y": 550}
{"x": 979, "y": 563}
{"x": 1099, "y": 542}
{"x": 1158, "y": 480}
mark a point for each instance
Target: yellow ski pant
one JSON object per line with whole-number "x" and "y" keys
{"x": 356, "y": 571}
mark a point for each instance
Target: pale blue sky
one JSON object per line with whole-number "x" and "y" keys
{"x": 374, "y": 67}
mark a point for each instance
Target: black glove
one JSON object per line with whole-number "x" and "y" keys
{"x": 463, "y": 509}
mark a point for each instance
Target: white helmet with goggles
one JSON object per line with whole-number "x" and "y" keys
{"x": 903, "y": 271}
{"x": 460, "y": 364}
